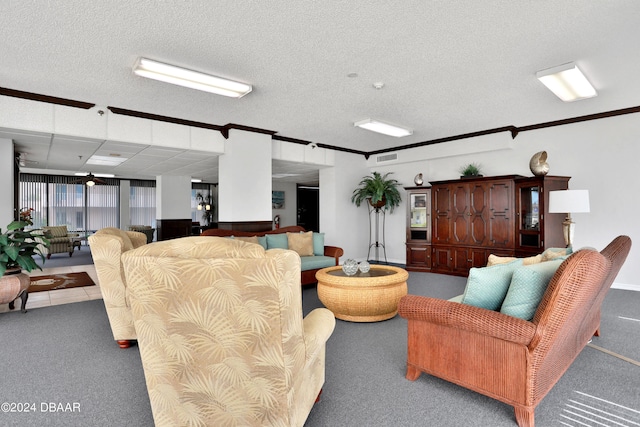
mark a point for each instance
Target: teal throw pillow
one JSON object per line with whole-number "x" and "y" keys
{"x": 277, "y": 241}
{"x": 318, "y": 244}
{"x": 487, "y": 286}
{"x": 263, "y": 241}
{"x": 528, "y": 285}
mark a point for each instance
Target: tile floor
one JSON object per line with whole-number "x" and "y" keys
{"x": 61, "y": 296}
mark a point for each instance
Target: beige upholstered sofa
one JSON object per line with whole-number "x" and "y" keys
{"x": 221, "y": 333}
{"x": 510, "y": 359}
{"x": 107, "y": 246}
{"x": 60, "y": 240}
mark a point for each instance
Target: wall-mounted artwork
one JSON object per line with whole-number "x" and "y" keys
{"x": 277, "y": 199}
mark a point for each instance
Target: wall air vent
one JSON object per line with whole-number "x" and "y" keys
{"x": 387, "y": 158}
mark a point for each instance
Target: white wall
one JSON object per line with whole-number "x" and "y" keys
{"x": 600, "y": 156}
{"x": 6, "y": 176}
{"x": 289, "y": 214}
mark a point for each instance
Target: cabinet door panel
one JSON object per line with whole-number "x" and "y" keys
{"x": 461, "y": 260}
{"x": 441, "y": 214}
{"x": 419, "y": 256}
{"x": 501, "y": 220}
{"x": 441, "y": 259}
{"x": 460, "y": 213}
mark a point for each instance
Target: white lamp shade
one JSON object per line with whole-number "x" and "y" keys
{"x": 569, "y": 201}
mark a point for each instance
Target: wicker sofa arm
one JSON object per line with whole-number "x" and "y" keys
{"x": 467, "y": 317}
{"x": 334, "y": 252}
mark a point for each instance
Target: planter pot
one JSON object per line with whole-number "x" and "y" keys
{"x": 378, "y": 204}
{"x": 14, "y": 284}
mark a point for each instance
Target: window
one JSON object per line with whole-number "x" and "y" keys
{"x": 142, "y": 203}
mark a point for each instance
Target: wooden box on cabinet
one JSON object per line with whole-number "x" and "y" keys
{"x": 418, "y": 230}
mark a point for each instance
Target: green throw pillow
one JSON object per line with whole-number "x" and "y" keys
{"x": 487, "y": 286}
{"x": 528, "y": 285}
{"x": 277, "y": 241}
{"x": 318, "y": 244}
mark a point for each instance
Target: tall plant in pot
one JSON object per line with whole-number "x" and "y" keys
{"x": 379, "y": 190}
{"x": 17, "y": 248}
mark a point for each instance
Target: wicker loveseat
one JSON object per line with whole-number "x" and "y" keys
{"x": 310, "y": 264}
{"x": 510, "y": 359}
{"x": 60, "y": 240}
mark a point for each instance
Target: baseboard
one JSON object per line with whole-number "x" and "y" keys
{"x": 626, "y": 287}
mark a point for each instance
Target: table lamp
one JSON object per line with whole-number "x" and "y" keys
{"x": 568, "y": 201}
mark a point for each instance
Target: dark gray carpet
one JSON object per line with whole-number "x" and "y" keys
{"x": 79, "y": 257}
{"x": 66, "y": 354}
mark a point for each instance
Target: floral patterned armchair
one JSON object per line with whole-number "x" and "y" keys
{"x": 107, "y": 246}
{"x": 221, "y": 333}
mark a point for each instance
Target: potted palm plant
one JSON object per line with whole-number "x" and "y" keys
{"x": 379, "y": 190}
{"x": 18, "y": 246}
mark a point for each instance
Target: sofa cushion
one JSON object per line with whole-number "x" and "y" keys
{"x": 487, "y": 286}
{"x": 302, "y": 243}
{"x": 315, "y": 262}
{"x": 553, "y": 253}
{"x": 527, "y": 287}
{"x": 277, "y": 241}
{"x": 495, "y": 259}
{"x": 318, "y": 244}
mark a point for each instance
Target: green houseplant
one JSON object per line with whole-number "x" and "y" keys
{"x": 472, "y": 169}
{"x": 379, "y": 190}
{"x": 18, "y": 246}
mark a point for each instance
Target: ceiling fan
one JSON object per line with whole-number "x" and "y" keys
{"x": 90, "y": 180}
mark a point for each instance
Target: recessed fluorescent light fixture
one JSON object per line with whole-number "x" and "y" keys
{"x": 567, "y": 82}
{"x": 385, "y": 128}
{"x": 196, "y": 180}
{"x": 106, "y": 160}
{"x": 192, "y": 79}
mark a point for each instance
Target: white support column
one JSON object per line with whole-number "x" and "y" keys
{"x": 244, "y": 178}
{"x": 7, "y": 166}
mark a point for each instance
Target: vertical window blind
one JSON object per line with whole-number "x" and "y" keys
{"x": 142, "y": 203}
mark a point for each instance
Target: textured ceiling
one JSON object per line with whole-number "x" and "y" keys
{"x": 448, "y": 68}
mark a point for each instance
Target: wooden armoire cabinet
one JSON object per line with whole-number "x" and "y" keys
{"x": 418, "y": 228}
{"x": 474, "y": 217}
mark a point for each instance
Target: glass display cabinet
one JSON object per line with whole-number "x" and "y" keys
{"x": 536, "y": 229}
{"x": 418, "y": 235}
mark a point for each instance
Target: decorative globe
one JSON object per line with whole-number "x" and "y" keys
{"x": 364, "y": 267}
{"x": 350, "y": 267}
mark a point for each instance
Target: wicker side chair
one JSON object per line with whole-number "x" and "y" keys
{"x": 506, "y": 358}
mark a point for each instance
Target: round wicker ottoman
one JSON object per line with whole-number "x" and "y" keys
{"x": 364, "y": 297}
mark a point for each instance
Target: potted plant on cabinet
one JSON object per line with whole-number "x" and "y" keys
{"x": 379, "y": 190}
{"x": 17, "y": 248}
{"x": 471, "y": 170}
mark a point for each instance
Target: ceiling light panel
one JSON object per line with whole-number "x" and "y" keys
{"x": 567, "y": 82}
{"x": 188, "y": 78}
{"x": 384, "y": 128}
{"x": 106, "y": 160}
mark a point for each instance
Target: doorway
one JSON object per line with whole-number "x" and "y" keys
{"x": 308, "y": 207}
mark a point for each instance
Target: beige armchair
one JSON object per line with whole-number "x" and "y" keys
{"x": 60, "y": 240}
{"x": 221, "y": 333}
{"x": 510, "y": 359}
{"x": 107, "y": 246}
{"x": 146, "y": 229}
